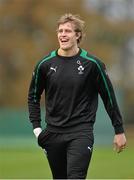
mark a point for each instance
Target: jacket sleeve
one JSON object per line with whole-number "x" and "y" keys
{"x": 106, "y": 91}
{"x": 34, "y": 95}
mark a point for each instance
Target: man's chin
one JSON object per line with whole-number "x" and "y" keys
{"x": 65, "y": 48}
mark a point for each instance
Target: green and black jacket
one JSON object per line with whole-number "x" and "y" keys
{"x": 71, "y": 86}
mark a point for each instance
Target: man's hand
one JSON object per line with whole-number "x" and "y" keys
{"x": 37, "y": 131}
{"x": 119, "y": 142}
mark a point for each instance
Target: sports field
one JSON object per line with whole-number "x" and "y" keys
{"x": 27, "y": 161}
{"x": 22, "y": 158}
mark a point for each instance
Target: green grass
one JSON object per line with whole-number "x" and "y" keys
{"x": 30, "y": 163}
{"x": 108, "y": 164}
{"x": 23, "y": 163}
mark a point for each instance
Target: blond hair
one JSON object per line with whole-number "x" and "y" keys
{"x": 76, "y": 20}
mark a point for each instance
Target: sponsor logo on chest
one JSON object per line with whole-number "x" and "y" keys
{"x": 80, "y": 67}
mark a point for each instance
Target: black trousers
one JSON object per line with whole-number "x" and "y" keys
{"x": 68, "y": 154}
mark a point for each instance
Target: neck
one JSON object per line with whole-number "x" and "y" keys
{"x": 69, "y": 52}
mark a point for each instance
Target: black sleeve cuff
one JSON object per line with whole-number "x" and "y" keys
{"x": 36, "y": 124}
{"x": 119, "y": 129}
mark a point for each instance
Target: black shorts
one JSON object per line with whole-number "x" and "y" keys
{"x": 68, "y": 154}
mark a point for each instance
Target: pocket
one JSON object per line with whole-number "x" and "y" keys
{"x": 43, "y": 136}
{"x": 40, "y": 134}
{"x": 89, "y": 136}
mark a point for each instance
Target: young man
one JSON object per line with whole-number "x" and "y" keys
{"x": 72, "y": 80}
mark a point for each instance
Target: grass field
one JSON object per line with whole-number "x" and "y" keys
{"x": 30, "y": 163}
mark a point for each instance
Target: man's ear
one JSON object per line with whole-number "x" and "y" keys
{"x": 78, "y": 35}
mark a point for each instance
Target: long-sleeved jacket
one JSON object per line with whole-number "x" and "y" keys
{"x": 71, "y": 86}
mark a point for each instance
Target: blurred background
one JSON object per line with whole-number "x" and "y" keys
{"x": 27, "y": 33}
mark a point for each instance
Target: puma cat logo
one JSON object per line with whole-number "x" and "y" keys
{"x": 54, "y": 69}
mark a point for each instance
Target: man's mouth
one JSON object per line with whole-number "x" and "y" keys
{"x": 64, "y": 40}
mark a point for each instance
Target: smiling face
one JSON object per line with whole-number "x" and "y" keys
{"x": 67, "y": 36}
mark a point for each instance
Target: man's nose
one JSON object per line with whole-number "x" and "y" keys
{"x": 63, "y": 33}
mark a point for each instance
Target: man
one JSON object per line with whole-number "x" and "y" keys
{"x": 71, "y": 79}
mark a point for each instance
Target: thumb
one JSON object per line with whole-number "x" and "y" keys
{"x": 116, "y": 148}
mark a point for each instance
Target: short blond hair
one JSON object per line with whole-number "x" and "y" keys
{"x": 76, "y": 20}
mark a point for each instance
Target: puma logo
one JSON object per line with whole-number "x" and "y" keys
{"x": 54, "y": 69}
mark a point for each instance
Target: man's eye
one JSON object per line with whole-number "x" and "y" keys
{"x": 68, "y": 30}
{"x": 60, "y": 31}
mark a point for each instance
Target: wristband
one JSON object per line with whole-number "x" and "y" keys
{"x": 37, "y": 131}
